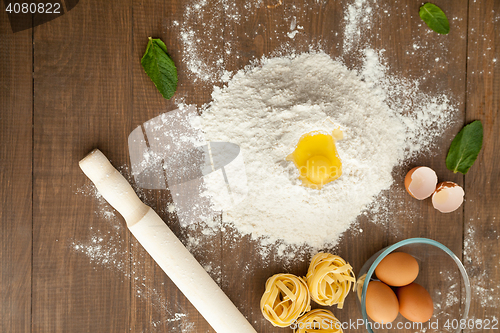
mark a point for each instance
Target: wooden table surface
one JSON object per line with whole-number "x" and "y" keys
{"x": 76, "y": 83}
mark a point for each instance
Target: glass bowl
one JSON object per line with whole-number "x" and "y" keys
{"x": 441, "y": 274}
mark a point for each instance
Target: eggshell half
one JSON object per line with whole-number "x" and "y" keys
{"x": 420, "y": 182}
{"x": 415, "y": 303}
{"x": 381, "y": 302}
{"x": 397, "y": 269}
{"x": 448, "y": 197}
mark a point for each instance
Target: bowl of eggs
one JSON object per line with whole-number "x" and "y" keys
{"x": 417, "y": 284}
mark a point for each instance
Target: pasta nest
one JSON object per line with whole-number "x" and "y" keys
{"x": 329, "y": 279}
{"x": 359, "y": 285}
{"x": 319, "y": 320}
{"x": 285, "y": 299}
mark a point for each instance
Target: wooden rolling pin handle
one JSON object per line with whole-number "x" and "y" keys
{"x": 165, "y": 248}
{"x": 113, "y": 187}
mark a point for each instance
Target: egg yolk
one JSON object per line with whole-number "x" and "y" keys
{"x": 317, "y": 159}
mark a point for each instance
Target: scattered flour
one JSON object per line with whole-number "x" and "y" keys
{"x": 105, "y": 247}
{"x": 201, "y": 32}
{"x": 266, "y": 118}
{"x": 104, "y": 210}
{"x": 266, "y": 108}
{"x": 292, "y": 34}
{"x": 194, "y": 42}
{"x": 358, "y": 14}
{"x": 424, "y": 116}
{"x": 293, "y": 27}
{"x": 484, "y": 290}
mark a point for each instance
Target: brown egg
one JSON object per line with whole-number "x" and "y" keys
{"x": 397, "y": 269}
{"x": 420, "y": 182}
{"x": 381, "y": 302}
{"x": 415, "y": 303}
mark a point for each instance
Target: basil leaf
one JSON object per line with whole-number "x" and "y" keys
{"x": 435, "y": 18}
{"x": 160, "y": 67}
{"x": 465, "y": 148}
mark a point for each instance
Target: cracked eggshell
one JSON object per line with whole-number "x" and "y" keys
{"x": 448, "y": 197}
{"x": 420, "y": 182}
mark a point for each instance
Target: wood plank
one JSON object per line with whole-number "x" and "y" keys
{"x": 262, "y": 31}
{"x": 445, "y": 76}
{"x": 82, "y": 101}
{"x": 90, "y": 91}
{"x": 156, "y": 303}
{"x": 395, "y": 29}
{"x": 411, "y": 50}
{"x": 16, "y": 105}
{"x": 439, "y": 63}
{"x": 482, "y": 212}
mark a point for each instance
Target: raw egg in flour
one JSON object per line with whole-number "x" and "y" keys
{"x": 397, "y": 269}
{"x": 317, "y": 159}
{"x": 381, "y": 302}
{"x": 415, "y": 303}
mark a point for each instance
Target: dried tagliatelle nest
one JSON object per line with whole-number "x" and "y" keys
{"x": 319, "y": 320}
{"x": 359, "y": 285}
{"x": 285, "y": 299}
{"x": 329, "y": 279}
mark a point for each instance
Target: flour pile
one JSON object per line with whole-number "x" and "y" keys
{"x": 267, "y": 108}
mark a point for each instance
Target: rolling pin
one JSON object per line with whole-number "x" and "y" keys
{"x": 164, "y": 247}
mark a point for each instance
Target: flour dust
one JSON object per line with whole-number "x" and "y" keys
{"x": 265, "y": 108}
{"x": 106, "y": 247}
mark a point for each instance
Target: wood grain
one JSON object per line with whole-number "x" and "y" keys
{"x": 16, "y": 107}
{"x": 439, "y": 63}
{"x": 263, "y": 34}
{"x": 156, "y": 303}
{"x": 482, "y": 210}
{"x": 82, "y": 101}
{"x": 323, "y": 25}
{"x": 90, "y": 91}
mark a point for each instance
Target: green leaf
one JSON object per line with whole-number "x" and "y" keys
{"x": 160, "y": 67}
{"x": 435, "y": 18}
{"x": 465, "y": 148}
